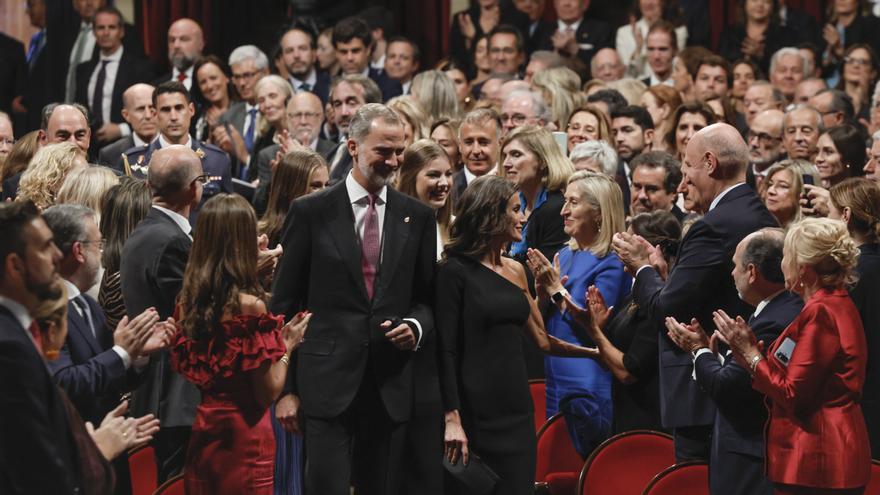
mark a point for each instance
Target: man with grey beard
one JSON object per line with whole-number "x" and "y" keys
{"x": 765, "y": 145}
{"x": 185, "y": 45}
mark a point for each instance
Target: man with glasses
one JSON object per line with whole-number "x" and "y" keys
{"x": 96, "y": 364}
{"x": 765, "y": 145}
{"x": 174, "y": 112}
{"x": 835, "y": 106}
{"x": 801, "y": 129}
{"x": 523, "y": 108}
{"x": 236, "y": 130}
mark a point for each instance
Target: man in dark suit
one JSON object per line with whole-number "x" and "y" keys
{"x": 304, "y": 118}
{"x": 37, "y": 454}
{"x": 347, "y": 95}
{"x": 480, "y": 142}
{"x": 13, "y": 72}
{"x": 185, "y": 44}
{"x": 736, "y": 460}
{"x": 576, "y": 35}
{"x": 299, "y": 47}
{"x": 153, "y": 261}
{"x": 353, "y": 43}
{"x": 37, "y": 90}
{"x": 714, "y": 169}
{"x": 360, "y": 257}
{"x": 655, "y": 176}
{"x": 140, "y": 114}
{"x": 101, "y": 81}
{"x": 97, "y": 364}
{"x": 633, "y": 131}
{"x": 174, "y": 112}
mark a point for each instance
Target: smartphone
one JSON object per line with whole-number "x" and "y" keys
{"x": 808, "y": 179}
{"x": 561, "y": 139}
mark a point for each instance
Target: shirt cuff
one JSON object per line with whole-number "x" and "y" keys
{"x": 123, "y": 354}
{"x": 697, "y": 354}
{"x": 124, "y": 129}
{"x": 640, "y": 271}
{"x": 418, "y": 327}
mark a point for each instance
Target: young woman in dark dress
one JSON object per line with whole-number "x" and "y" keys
{"x": 483, "y": 306}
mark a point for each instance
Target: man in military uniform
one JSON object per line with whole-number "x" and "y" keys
{"x": 175, "y": 110}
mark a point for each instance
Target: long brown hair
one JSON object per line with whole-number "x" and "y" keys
{"x": 222, "y": 265}
{"x": 416, "y": 157}
{"x": 862, "y": 197}
{"x": 482, "y": 216}
{"x": 290, "y": 180}
{"x": 124, "y": 206}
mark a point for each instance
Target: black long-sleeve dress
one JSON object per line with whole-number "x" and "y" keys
{"x": 480, "y": 317}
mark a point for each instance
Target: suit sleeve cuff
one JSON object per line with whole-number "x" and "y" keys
{"x": 417, "y": 327}
{"x": 123, "y": 354}
{"x": 640, "y": 270}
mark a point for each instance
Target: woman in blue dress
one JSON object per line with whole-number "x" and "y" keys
{"x": 592, "y": 214}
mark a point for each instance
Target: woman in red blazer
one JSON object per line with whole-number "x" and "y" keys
{"x": 813, "y": 374}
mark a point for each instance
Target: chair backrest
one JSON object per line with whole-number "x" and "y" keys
{"x": 625, "y": 463}
{"x": 873, "y": 487}
{"x": 539, "y": 400}
{"x": 173, "y": 486}
{"x": 144, "y": 474}
{"x": 555, "y": 451}
{"x": 691, "y": 477}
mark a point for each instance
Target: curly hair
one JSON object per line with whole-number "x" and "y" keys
{"x": 482, "y": 216}
{"x": 827, "y": 247}
{"x": 46, "y": 173}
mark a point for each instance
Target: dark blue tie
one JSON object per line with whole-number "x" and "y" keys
{"x": 98, "y": 95}
{"x": 38, "y": 41}
{"x": 249, "y": 132}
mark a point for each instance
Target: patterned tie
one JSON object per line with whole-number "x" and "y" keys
{"x": 181, "y": 77}
{"x": 249, "y": 132}
{"x": 370, "y": 245}
{"x": 98, "y": 95}
{"x": 305, "y": 87}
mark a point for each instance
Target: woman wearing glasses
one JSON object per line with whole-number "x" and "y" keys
{"x": 857, "y": 77}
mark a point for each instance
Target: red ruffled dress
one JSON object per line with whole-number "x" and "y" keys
{"x": 232, "y": 447}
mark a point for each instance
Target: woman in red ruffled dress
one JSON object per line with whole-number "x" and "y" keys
{"x": 233, "y": 350}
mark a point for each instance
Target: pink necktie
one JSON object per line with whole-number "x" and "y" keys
{"x": 370, "y": 245}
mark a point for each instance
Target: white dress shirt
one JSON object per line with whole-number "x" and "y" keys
{"x": 110, "y": 71}
{"x": 626, "y": 47}
{"x": 311, "y": 80}
{"x": 187, "y": 83}
{"x": 179, "y": 219}
{"x": 83, "y": 48}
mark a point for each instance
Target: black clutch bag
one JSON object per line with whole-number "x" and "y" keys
{"x": 476, "y": 475}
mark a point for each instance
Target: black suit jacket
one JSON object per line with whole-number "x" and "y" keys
{"x": 111, "y": 155}
{"x": 459, "y": 184}
{"x": 739, "y": 422}
{"x": 592, "y": 35}
{"x": 697, "y": 285}
{"x": 866, "y": 296}
{"x": 13, "y": 72}
{"x": 321, "y": 272}
{"x": 389, "y": 87}
{"x": 36, "y": 449}
{"x": 132, "y": 70}
{"x": 341, "y": 170}
{"x": 153, "y": 261}
{"x": 88, "y": 369}
{"x": 545, "y": 230}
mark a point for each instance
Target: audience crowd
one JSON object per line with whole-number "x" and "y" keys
{"x": 330, "y": 265}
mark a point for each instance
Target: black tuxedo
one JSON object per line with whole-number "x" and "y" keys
{"x": 37, "y": 454}
{"x": 350, "y": 379}
{"x": 459, "y": 184}
{"x": 131, "y": 70}
{"x": 591, "y": 35}
{"x": 153, "y": 261}
{"x": 88, "y": 369}
{"x": 698, "y": 284}
{"x": 736, "y": 462}
{"x": 865, "y": 297}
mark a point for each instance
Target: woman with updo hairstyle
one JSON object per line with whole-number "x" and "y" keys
{"x": 660, "y": 101}
{"x": 411, "y": 113}
{"x": 814, "y": 372}
{"x": 43, "y": 178}
{"x": 435, "y": 91}
{"x": 483, "y": 307}
{"x": 426, "y": 174}
{"x": 841, "y": 154}
{"x": 588, "y": 123}
{"x": 531, "y": 160}
{"x": 857, "y": 203}
{"x": 298, "y": 173}
{"x": 558, "y": 87}
{"x": 685, "y": 122}
{"x": 782, "y": 188}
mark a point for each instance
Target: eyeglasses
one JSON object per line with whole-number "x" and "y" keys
{"x": 244, "y": 75}
{"x": 762, "y": 137}
{"x": 857, "y": 61}
{"x": 202, "y": 178}
{"x": 101, "y": 243}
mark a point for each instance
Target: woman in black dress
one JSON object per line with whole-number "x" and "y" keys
{"x": 483, "y": 306}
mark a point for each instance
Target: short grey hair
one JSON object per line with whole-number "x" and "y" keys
{"x": 49, "y": 109}
{"x": 359, "y": 128}
{"x": 775, "y": 93}
{"x": 372, "y": 93}
{"x": 548, "y": 58}
{"x": 68, "y": 224}
{"x": 820, "y": 124}
{"x": 598, "y": 150}
{"x": 805, "y": 64}
{"x": 249, "y": 52}
{"x": 542, "y": 111}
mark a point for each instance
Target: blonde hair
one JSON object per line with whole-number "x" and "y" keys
{"x": 286, "y": 89}
{"x": 826, "y": 246}
{"x": 560, "y": 84}
{"x": 603, "y": 195}
{"x": 46, "y": 173}
{"x": 409, "y": 109}
{"x": 87, "y": 187}
{"x": 554, "y": 166}
{"x": 631, "y": 89}
{"x": 798, "y": 168}
{"x": 436, "y": 92}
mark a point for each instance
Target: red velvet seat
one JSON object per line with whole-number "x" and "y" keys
{"x": 558, "y": 463}
{"x": 539, "y": 400}
{"x": 686, "y": 478}
{"x": 144, "y": 474}
{"x": 873, "y": 487}
{"x": 625, "y": 463}
{"x": 174, "y": 486}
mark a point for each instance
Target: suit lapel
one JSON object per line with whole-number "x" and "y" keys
{"x": 79, "y": 323}
{"x": 340, "y": 224}
{"x": 394, "y": 237}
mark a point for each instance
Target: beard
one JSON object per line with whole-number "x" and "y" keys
{"x": 44, "y": 291}
{"x": 181, "y": 62}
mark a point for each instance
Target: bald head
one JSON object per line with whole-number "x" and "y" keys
{"x": 606, "y": 65}
{"x": 714, "y": 160}
{"x": 139, "y": 112}
{"x": 66, "y": 123}
{"x": 172, "y": 175}
{"x": 304, "y": 116}
{"x": 185, "y": 43}
{"x": 729, "y": 148}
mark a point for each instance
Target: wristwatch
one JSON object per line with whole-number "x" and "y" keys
{"x": 753, "y": 363}
{"x": 557, "y": 297}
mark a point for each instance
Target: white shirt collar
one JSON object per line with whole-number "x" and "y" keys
{"x": 115, "y": 56}
{"x": 718, "y": 198}
{"x": 72, "y": 290}
{"x": 366, "y": 71}
{"x": 406, "y": 87}
{"x": 574, "y": 26}
{"x": 18, "y": 311}
{"x": 311, "y": 79}
{"x": 356, "y": 192}
{"x": 314, "y": 144}
{"x": 763, "y": 304}
{"x": 655, "y": 81}
{"x": 468, "y": 175}
{"x": 163, "y": 143}
{"x": 179, "y": 219}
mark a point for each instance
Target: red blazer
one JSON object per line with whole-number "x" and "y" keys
{"x": 816, "y": 434}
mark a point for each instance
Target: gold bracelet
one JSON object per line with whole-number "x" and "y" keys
{"x": 753, "y": 363}
{"x": 285, "y": 359}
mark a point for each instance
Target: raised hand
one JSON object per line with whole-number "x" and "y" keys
{"x": 599, "y": 311}
{"x": 295, "y": 330}
{"x": 633, "y": 250}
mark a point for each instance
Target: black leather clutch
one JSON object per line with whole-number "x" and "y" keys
{"x": 477, "y": 476}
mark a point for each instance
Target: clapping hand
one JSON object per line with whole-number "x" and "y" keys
{"x": 688, "y": 338}
{"x": 160, "y": 337}
{"x": 118, "y": 433}
{"x": 633, "y": 250}
{"x": 547, "y": 280}
{"x": 739, "y": 336}
{"x": 132, "y": 335}
{"x": 599, "y": 311}
{"x": 267, "y": 259}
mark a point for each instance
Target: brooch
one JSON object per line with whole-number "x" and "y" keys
{"x": 201, "y": 154}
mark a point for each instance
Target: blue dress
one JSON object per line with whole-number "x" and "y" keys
{"x": 569, "y": 376}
